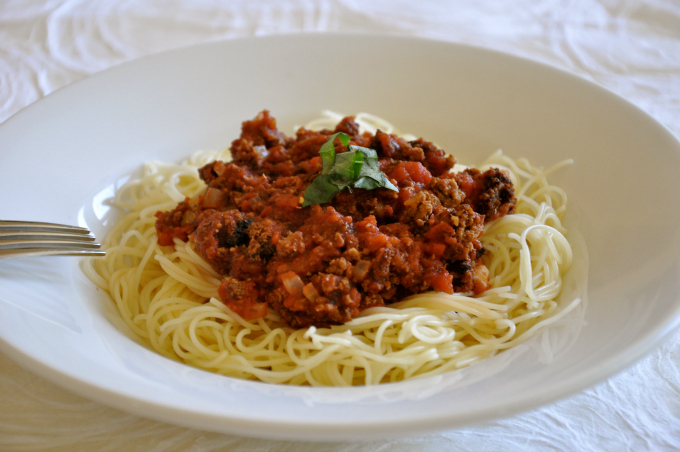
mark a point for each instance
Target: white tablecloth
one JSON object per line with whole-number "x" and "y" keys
{"x": 630, "y": 46}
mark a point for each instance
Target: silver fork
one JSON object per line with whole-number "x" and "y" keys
{"x": 30, "y": 238}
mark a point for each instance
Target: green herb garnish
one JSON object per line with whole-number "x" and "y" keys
{"x": 358, "y": 168}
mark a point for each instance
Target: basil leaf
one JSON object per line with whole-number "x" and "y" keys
{"x": 340, "y": 181}
{"x": 349, "y": 164}
{"x": 368, "y": 152}
{"x": 327, "y": 151}
{"x": 367, "y": 183}
{"x": 321, "y": 190}
{"x": 370, "y": 176}
{"x": 358, "y": 168}
{"x": 389, "y": 185}
{"x": 370, "y": 168}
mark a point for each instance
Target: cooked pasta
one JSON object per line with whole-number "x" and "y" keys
{"x": 168, "y": 295}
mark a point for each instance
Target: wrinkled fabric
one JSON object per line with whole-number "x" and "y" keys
{"x": 630, "y": 47}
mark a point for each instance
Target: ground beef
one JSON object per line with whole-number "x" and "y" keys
{"x": 324, "y": 264}
{"x": 490, "y": 193}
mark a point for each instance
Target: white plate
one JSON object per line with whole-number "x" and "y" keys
{"x": 59, "y": 153}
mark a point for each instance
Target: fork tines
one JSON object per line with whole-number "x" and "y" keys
{"x": 24, "y": 239}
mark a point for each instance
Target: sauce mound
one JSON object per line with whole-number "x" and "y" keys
{"x": 323, "y": 264}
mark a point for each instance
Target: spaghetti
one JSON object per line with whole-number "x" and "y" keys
{"x": 161, "y": 293}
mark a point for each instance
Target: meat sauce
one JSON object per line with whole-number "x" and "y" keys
{"x": 323, "y": 264}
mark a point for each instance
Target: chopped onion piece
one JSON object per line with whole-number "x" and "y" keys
{"x": 261, "y": 151}
{"x": 361, "y": 270}
{"x": 212, "y": 197}
{"x": 292, "y": 283}
{"x": 310, "y": 292}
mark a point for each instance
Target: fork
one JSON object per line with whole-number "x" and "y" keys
{"x": 30, "y": 239}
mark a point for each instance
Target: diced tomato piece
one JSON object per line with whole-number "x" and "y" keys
{"x": 435, "y": 249}
{"x": 377, "y": 242}
{"x": 414, "y": 171}
{"x": 287, "y": 201}
{"x": 405, "y": 194}
{"x": 417, "y": 172}
{"x": 441, "y": 282}
{"x": 466, "y": 183}
{"x": 296, "y": 303}
{"x": 399, "y": 173}
{"x": 440, "y": 232}
{"x": 241, "y": 297}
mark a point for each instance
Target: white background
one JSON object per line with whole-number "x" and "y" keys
{"x": 630, "y": 47}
